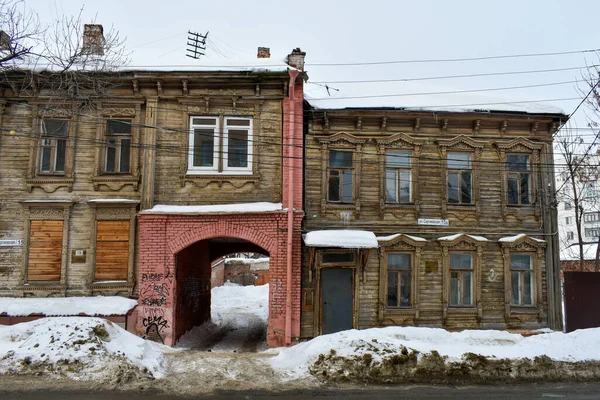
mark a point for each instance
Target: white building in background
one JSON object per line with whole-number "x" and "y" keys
{"x": 587, "y": 184}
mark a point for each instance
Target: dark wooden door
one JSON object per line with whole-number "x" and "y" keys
{"x": 336, "y": 299}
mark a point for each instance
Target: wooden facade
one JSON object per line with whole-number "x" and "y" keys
{"x": 353, "y": 182}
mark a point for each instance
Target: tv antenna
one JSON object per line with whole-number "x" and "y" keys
{"x": 196, "y": 44}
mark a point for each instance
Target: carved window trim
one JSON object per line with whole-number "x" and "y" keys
{"x": 401, "y": 142}
{"x": 461, "y": 245}
{"x": 525, "y": 146}
{"x": 49, "y": 183}
{"x": 45, "y": 211}
{"x": 464, "y": 144}
{"x": 114, "y": 181}
{"x": 345, "y": 142}
{"x": 534, "y": 247}
{"x": 402, "y": 244}
{"x": 117, "y": 211}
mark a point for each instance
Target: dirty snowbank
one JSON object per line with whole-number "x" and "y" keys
{"x": 65, "y": 306}
{"x": 379, "y": 344}
{"x": 80, "y": 348}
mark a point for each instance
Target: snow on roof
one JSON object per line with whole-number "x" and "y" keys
{"x": 345, "y": 238}
{"x": 64, "y": 306}
{"x": 511, "y": 239}
{"x": 571, "y": 253}
{"x": 415, "y": 96}
{"x": 113, "y": 201}
{"x": 394, "y": 236}
{"x": 238, "y": 208}
{"x": 453, "y": 237}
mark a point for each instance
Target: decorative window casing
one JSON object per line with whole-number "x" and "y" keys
{"x": 334, "y": 158}
{"x": 520, "y": 159}
{"x": 46, "y": 243}
{"x": 117, "y": 160}
{"x": 53, "y": 146}
{"x": 524, "y": 263}
{"x": 399, "y": 168}
{"x": 461, "y": 157}
{"x": 462, "y": 258}
{"x": 220, "y": 145}
{"x": 399, "y": 261}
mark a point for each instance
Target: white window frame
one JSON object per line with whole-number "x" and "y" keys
{"x": 237, "y": 170}
{"x": 216, "y": 146}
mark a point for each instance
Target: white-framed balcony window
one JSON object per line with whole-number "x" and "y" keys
{"x": 204, "y": 141}
{"x": 237, "y": 145}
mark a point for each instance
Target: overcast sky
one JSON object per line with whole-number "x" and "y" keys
{"x": 366, "y": 31}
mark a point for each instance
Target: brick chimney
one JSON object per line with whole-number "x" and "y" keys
{"x": 264, "y": 52}
{"x": 296, "y": 59}
{"x": 93, "y": 40}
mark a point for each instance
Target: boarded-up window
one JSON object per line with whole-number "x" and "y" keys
{"x": 45, "y": 251}
{"x": 112, "y": 250}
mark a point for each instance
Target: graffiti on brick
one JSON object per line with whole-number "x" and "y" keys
{"x": 154, "y": 311}
{"x": 155, "y": 302}
{"x": 152, "y": 277}
{"x": 193, "y": 290}
{"x": 169, "y": 276}
{"x": 154, "y": 328}
{"x": 156, "y": 290}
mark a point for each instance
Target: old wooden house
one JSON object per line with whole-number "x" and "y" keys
{"x": 459, "y": 207}
{"x": 106, "y": 194}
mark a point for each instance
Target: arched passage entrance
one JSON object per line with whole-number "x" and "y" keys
{"x": 174, "y": 268}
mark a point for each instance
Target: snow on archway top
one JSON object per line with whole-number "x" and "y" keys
{"x": 345, "y": 238}
{"x": 239, "y": 208}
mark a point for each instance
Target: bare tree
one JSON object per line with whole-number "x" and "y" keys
{"x": 20, "y": 31}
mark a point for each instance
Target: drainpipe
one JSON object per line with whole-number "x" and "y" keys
{"x": 290, "y": 204}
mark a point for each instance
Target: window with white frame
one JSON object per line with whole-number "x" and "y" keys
{"x": 117, "y": 154}
{"x": 592, "y": 232}
{"x": 568, "y": 220}
{"x": 570, "y": 235}
{"x": 53, "y": 146}
{"x": 399, "y": 281}
{"x": 220, "y": 145}
{"x": 591, "y": 217}
{"x": 461, "y": 279}
{"x": 522, "y": 280}
{"x": 568, "y": 205}
{"x": 459, "y": 178}
{"x": 518, "y": 179}
{"x": 398, "y": 177}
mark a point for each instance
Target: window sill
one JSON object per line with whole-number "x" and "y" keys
{"x": 38, "y": 286}
{"x": 49, "y": 183}
{"x": 237, "y": 180}
{"x": 115, "y": 181}
{"x": 399, "y": 311}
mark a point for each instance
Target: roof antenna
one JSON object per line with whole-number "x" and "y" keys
{"x": 197, "y": 44}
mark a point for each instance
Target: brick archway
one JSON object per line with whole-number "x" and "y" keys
{"x": 166, "y": 240}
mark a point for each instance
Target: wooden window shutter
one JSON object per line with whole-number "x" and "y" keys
{"x": 112, "y": 250}
{"x": 45, "y": 251}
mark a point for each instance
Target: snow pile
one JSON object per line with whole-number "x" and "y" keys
{"x": 81, "y": 348}
{"x": 64, "y": 306}
{"x": 456, "y": 236}
{"x": 345, "y": 238}
{"x": 394, "y": 236}
{"x": 512, "y": 239}
{"x": 238, "y": 208}
{"x": 581, "y": 345}
{"x": 232, "y": 298}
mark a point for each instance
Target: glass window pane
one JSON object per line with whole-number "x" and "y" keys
{"x": 405, "y": 186}
{"x": 466, "y": 187}
{"x": 453, "y": 187}
{"x": 111, "y": 152}
{"x": 527, "y": 292}
{"x": 45, "y": 159}
{"x": 347, "y": 186}
{"x": 397, "y": 159}
{"x": 338, "y": 257}
{"x": 467, "y": 289}
{"x": 237, "y": 148}
{"x": 340, "y": 159}
{"x": 203, "y": 150}
{"x": 525, "y": 189}
{"x": 516, "y": 288}
{"x": 119, "y": 127}
{"x": 517, "y": 162}
{"x": 454, "y": 288}
{"x": 55, "y": 127}
{"x": 125, "y": 155}
{"x": 398, "y": 261}
{"x": 513, "y": 189}
{"x": 204, "y": 121}
{"x": 334, "y": 185}
{"x": 392, "y": 294}
{"x": 405, "y": 288}
{"x": 459, "y": 160}
{"x": 520, "y": 261}
{"x": 61, "y": 148}
{"x": 391, "y": 189}
{"x": 461, "y": 261}
{"x": 238, "y": 122}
